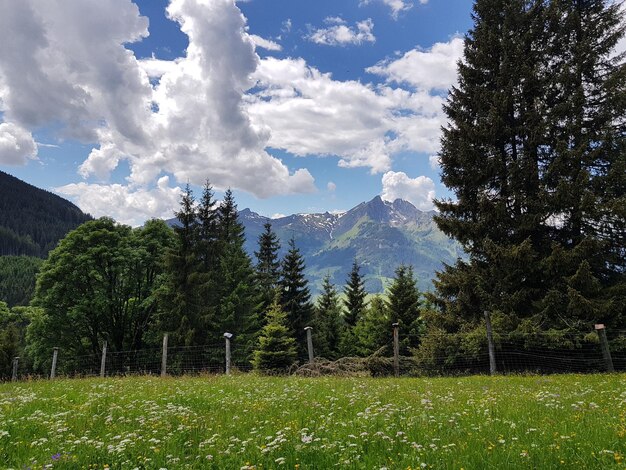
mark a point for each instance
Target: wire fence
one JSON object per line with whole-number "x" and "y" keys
{"x": 444, "y": 354}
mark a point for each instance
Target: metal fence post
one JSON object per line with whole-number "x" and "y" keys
{"x": 103, "y": 361}
{"x": 490, "y": 344}
{"x": 604, "y": 344}
{"x": 396, "y": 349}
{"x": 53, "y": 370}
{"x": 164, "y": 357}
{"x": 309, "y": 342}
{"x": 15, "y": 365}
{"x": 227, "y": 337}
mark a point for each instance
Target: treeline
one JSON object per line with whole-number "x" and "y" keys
{"x": 32, "y": 221}
{"x": 109, "y": 282}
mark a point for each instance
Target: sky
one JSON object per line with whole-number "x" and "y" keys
{"x": 297, "y": 106}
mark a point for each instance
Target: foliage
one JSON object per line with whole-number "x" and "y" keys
{"x": 17, "y": 279}
{"x": 97, "y": 285}
{"x": 276, "y": 350}
{"x": 532, "y": 152}
{"x": 355, "y": 300}
{"x": 328, "y": 325}
{"x": 296, "y": 297}
{"x": 32, "y": 221}
{"x": 373, "y": 329}
{"x": 404, "y": 308}
{"x": 268, "y": 265}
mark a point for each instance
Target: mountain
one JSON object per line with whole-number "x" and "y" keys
{"x": 32, "y": 221}
{"x": 380, "y": 234}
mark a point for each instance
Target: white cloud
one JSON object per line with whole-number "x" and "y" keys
{"x": 309, "y": 113}
{"x": 278, "y": 216}
{"x": 431, "y": 69}
{"x": 418, "y": 191}
{"x": 17, "y": 145}
{"x": 396, "y": 6}
{"x": 64, "y": 63}
{"x": 124, "y": 204}
{"x": 332, "y": 187}
{"x": 265, "y": 43}
{"x": 338, "y": 33}
{"x": 435, "y": 161}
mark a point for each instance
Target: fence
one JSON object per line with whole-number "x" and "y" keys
{"x": 463, "y": 355}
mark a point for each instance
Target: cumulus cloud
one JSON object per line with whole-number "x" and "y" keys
{"x": 17, "y": 145}
{"x": 309, "y": 113}
{"x": 418, "y": 191}
{"x": 430, "y": 69}
{"x": 331, "y": 187}
{"x": 338, "y": 33}
{"x": 126, "y": 205}
{"x": 64, "y": 63}
{"x": 435, "y": 161}
{"x": 265, "y": 43}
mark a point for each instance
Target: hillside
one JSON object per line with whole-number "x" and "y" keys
{"x": 380, "y": 234}
{"x": 32, "y": 220}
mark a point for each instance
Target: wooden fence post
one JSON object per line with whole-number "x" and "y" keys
{"x": 309, "y": 342}
{"x": 164, "y": 356}
{"x": 227, "y": 337}
{"x": 396, "y": 349}
{"x": 53, "y": 370}
{"x": 604, "y": 344}
{"x": 490, "y": 344}
{"x": 15, "y": 365}
{"x": 103, "y": 361}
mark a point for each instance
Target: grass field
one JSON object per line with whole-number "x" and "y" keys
{"x": 541, "y": 422}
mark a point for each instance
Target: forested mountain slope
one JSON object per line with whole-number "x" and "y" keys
{"x": 33, "y": 220}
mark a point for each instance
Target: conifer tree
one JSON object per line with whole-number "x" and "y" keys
{"x": 373, "y": 329}
{"x": 296, "y": 297}
{"x": 276, "y": 350}
{"x": 532, "y": 151}
{"x": 268, "y": 265}
{"x": 181, "y": 312}
{"x": 238, "y": 301}
{"x": 355, "y": 303}
{"x": 404, "y": 308}
{"x": 327, "y": 322}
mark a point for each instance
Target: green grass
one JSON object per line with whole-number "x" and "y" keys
{"x": 541, "y": 422}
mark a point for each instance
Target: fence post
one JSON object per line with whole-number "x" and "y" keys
{"x": 492, "y": 349}
{"x": 604, "y": 344}
{"x": 396, "y": 349}
{"x": 15, "y": 364}
{"x": 164, "y": 357}
{"x": 53, "y": 370}
{"x": 309, "y": 342}
{"x": 103, "y": 361}
{"x": 227, "y": 337}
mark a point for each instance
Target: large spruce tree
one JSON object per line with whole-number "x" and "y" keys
{"x": 328, "y": 324}
{"x": 238, "y": 301}
{"x": 532, "y": 152}
{"x": 268, "y": 266}
{"x": 355, "y": 301}
{"x": 404, "y": 308}
{"x": 296, "y": 297}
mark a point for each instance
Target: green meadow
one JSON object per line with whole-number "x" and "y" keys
{"x": 251, "y": 422}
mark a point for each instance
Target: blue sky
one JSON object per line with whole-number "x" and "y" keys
{"x": 299, "y": 106}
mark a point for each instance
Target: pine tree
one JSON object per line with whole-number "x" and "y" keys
{"x": 276, "y": 350}
{"x": 355, "y": 302}
{"x": 238, "y": 301}
{"x": 327, "y": 322}
{"x": 296, "y": 297}
{"x": 534, "y": 153}
{"x": 373, "y": 329}
{"x": 404, "y": 308}
{"x": 268, "y": 265}
{"x": 181, "y": 313}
